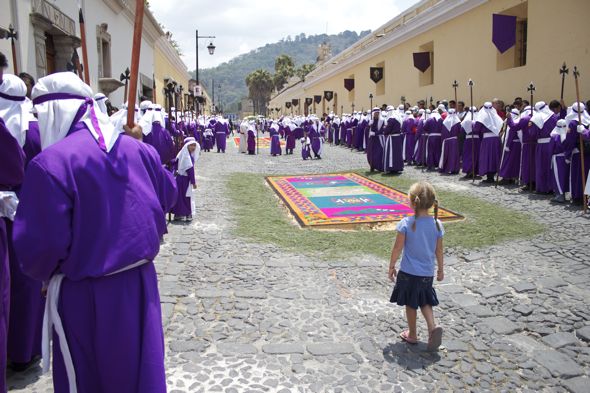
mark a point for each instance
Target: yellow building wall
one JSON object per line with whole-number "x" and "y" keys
{"x": 463, "y": 49}
{"x": 163, "y": 68}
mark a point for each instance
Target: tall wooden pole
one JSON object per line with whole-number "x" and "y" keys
{"x": 584, "y": 197}
{"x": 84, "y": 47}
{"x": 472, "y": 136}
{"x": 13, "y": 36}
{"x": 531, "y": 89}
{"x": 135, "y": 53}
{"x": 563, "y": 71}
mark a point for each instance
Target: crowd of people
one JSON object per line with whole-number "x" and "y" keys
{"x": 537, "y": 146}
{"x": 83, "y": 204}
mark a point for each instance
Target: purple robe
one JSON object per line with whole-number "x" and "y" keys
{"x": 12, "y": 168}
{"x": 305, "y": 148}
{"x": 420, "y": 147}
{"x": 471, "y": 147}
{"x": 489, "y": 150}
{"x": 275, "y": 143}
{"x": 543, "y": 154}
{"x": 26, "y": 300}
{"x": 432, "y": 127}
{"x": 86, "y": 214}
{"x": 220, "y": 132}
{"x": 409, "y": 128}
{"x": 560, "y": 168}
{"x": 572, "y": 152}
{"x": 316, "y": 140}
{"x": 251, "y": 142}
{"x": 289, "y": 135}
{"x": 162, "y": 141}
{"x": 393, "y": 160}
{"x": 510, "y": 167}
{"x": 376, "y": 145}
{"x": 449, "y": 158}
{"x": 182, "y": 207}
{"x": 527, "y": 156}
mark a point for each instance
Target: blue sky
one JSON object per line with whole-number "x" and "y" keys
{"x": 242, "y": 25}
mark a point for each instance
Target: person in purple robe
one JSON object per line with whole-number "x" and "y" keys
{"x": 527, "y": 156}
{"x": 433, "y": 128}
{"x": 185, "y": 179}
{"x": 393, "y": 161}
{"x": 251, "y": 137}
{"x": 12, "y": 167}
{"x": 155, "y": 135}
{"x": 376, "y": 141}
{"x": 359, "y": 134}
{"x": 421, "y": 138}
{"x": 511, "y": 151}
{"x": 488, "y": 125}
{"x": 89, "y": 223}
{"x": 471, "y": 145}
{"x": 208, "y": 139}
{"x": 220, "y": 135}
{"x": 449, "y": 159}
{"x": 409, "y": 129}
{"x": 275, "y": 140}
{"x": 542, "y": 124}
{"x": 560, "y": 168}
{"x": 26, "y": 300}
{"x": 573, "y": 148}
{"x": 314, "y": 134}
{"x": 290, "y": 137}
{"x": 305, "y": 146}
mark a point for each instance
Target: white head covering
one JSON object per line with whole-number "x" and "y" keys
{"x": 119, "y": 119}
{"x": 542, "y": 114}
{"x": 451, "y": 120}
{"x": 148, "y": 118}
{"x": 101, "y": 100}
{"x": 62, "y": 99}
{"x": 467, "y": 122}
{"x": 13, "y": 111}
{"x": 184, "y": 156}
{"x": 560, "y": 129}
{"x": 489, "y": 118}
{"x": 572, "y": 113}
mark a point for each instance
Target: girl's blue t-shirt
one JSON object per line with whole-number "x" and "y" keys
{"x": 419, "y": 256}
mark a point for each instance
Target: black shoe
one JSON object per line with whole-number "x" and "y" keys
{"x": 21, "y": 367}
{"x": 559, "y": 198}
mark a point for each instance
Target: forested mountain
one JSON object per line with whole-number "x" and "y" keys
{"x": 303, "y": 49}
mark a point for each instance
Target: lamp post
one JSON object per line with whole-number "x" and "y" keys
{"x": 371, "y": 98}
{"x": 210, "y": 48}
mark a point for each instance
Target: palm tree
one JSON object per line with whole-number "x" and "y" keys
{"x": 284, "y": 70}
{"x": 260, "y": 86}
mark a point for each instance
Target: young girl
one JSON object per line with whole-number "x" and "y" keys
{"x": 420, "y": 238}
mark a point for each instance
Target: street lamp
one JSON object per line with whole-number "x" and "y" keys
{"x": 210, "y": 48}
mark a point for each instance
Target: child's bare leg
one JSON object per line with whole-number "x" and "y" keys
{"x": 428, "y": 316}
{"x": 411, "y": 315}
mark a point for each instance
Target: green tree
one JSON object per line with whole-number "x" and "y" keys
{"x": 284, "y": 70}
{"x": 305, "y": 69}
{"x": 260, "y": 87}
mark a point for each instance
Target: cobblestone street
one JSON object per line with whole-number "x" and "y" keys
{"x": 245, "y": 317}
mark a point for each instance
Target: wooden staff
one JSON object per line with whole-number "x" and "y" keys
{"x": 84, "y": 48}
{"x": 13, "y": 35}
{"x": 154, "y": 89}
{"x": 563, "y": 71}
{"x": 503, "y": 135}
{"x": 135, "y": 53}
{"x": 584, "y": 197}
{"x": 472, "y": 136}
{"x": 531, "y": 89}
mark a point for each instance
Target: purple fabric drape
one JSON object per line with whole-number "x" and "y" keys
{"x": 503, "y": 31}
{"x": 422, "y": 60}
{"x": 349, "y": 84}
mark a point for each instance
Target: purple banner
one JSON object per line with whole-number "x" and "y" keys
{"x": 422, "y": 60}
{"x": 349, "y": 84}
{"x": 295, "y": 102}
{"x": 503, "y": 31}
{"x": 317, "y": 99}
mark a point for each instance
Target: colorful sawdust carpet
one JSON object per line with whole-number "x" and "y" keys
{"x": 344, "y": 199}
{"x": 263, "y": 142}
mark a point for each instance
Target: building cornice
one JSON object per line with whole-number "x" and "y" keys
{"x": 410, "y": 27}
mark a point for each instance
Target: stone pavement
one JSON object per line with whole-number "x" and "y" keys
{"x": 245, "y": 317}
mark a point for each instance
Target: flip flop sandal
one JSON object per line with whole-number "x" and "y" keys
{"x": 435, "y": 339}
{"x": 405, "y": 336}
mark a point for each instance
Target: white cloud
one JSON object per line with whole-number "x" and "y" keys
{"x": 241, "y": 25}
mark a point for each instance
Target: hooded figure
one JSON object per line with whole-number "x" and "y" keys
{"x": 559, "y": 165}
{"x": 488, "y": 125}
{"x": 251, "y": 132}
{"x": 101, "y": 100}
{"x": 542, "y": 124}
{"x": 409, "y": 128}
{"x": 154, "y": 133}
{"x": 521, "y": 126}
{"x": 573, "y": 148}
{"x": 243, "y": 148}
{"x": 185, "y": 178}
{"x": 393, "y": 160}
{"x": 421, "y": 138}
{"x": 12, "y": 169}
{"x": 471, "y": 144}
{"x": 26, "y": 299}
{"x": 510, "y": 164}
{"x": 89, "y": 222}
{"x": 275, "y": 140}
{"x": 376, "y": 141}
{"x": 449, "y": 159}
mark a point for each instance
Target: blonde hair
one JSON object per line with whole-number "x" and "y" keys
{"x": 423, "y": 197}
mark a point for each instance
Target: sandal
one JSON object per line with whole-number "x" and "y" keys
{"x": 435, "y": 339}
{"x": 405, "y": 335}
